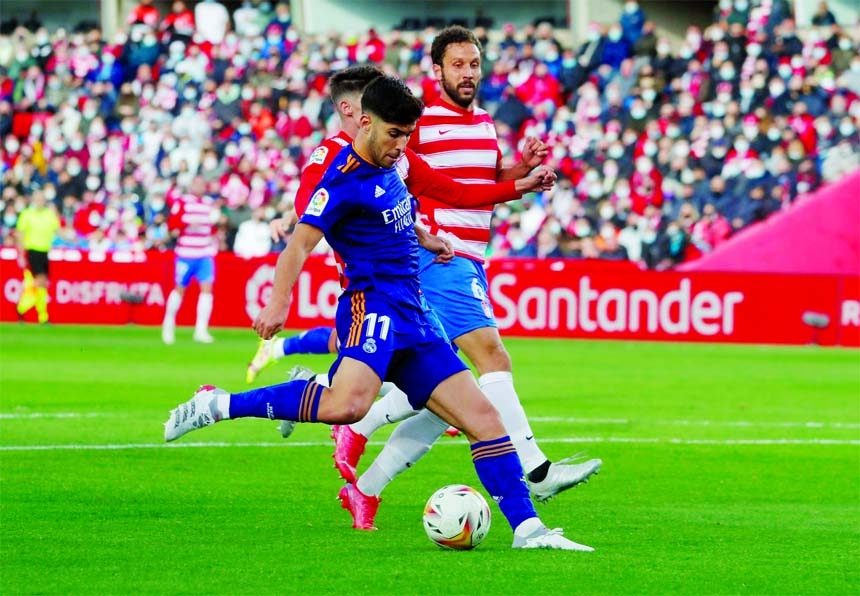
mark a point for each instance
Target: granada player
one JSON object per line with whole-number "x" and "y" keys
{"x": 192, "y": 220}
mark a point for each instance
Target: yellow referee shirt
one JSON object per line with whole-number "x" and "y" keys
{"x": 38, "y": 228}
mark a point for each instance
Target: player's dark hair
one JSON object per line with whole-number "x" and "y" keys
{"x": 391, "y": 100}
{"x": 352, "y": 80}
{"x": 451, "y": 35}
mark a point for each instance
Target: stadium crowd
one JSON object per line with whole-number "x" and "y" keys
{"x": 663, "y": 151}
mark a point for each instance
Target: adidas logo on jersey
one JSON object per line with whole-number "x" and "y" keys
{"x": 378, "y": 192}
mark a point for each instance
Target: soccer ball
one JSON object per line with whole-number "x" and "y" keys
{"x": 457, "y": 516}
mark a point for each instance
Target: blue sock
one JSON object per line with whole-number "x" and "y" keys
{"x": 312, "y": 341}
{"x": 294, "y": 400}
{"x": 501, "y": 473}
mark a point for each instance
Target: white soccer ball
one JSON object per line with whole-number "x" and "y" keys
{"x": 457, "y": 516}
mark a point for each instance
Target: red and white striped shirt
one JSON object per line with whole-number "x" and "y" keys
{"x": 195, "y": 218}
{"x": 462, "y": 144}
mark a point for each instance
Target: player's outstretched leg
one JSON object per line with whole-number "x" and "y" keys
{"x": 545, "y": 479}
{"x": 459, "y": 401}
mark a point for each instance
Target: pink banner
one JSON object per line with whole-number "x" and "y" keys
{"x": 582, "y": 299}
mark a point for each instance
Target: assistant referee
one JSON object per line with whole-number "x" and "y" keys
{"x": 36, "y": 228}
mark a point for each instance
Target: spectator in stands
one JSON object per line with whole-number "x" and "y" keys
{"x": 211, "y": 21}
{"x": 823, "y": 16}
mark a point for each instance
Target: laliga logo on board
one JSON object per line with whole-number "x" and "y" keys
{"x": 309, "y": 305}
{"x": 258, "y": 290}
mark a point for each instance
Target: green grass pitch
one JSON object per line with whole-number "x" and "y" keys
{"x": 727, "y": 470}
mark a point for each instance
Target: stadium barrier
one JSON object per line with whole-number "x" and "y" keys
{"x": 543, "y": 298}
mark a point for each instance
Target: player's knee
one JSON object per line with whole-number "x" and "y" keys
{"x": 350, "y": 409}
{"x": 494, "y": 358}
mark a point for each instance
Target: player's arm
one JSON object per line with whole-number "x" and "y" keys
{"x": 534, "y": 152}
{"x": 426, "y": 182}
{"x": 440, "y": 246}
{"x": 290, "y": 262}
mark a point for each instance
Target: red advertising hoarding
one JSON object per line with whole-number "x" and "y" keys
{"x": 545, "y": 298}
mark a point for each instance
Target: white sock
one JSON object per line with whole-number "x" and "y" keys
{"x": 223, "y": 404}
{"x": 278, "y": 348}
{"x": 499, "y": 388}
{"x": 386, "y": 388}
{"x": 406, "y": 445}
{"x": 204, "y": 311}
{"x": 394, "y": 406}
{"x": 174, "y": 301}
{"x": 528, "y": 527}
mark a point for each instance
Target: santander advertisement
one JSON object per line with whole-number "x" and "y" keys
{"x": 543, "y": 298}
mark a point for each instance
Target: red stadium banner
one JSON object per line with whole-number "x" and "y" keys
{"x": 543, "y": 298}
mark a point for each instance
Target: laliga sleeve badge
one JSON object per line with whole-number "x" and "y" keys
{"x": 317, "y": 202}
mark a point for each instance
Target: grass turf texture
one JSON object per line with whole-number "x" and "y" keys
{"x": 713, "y": 480}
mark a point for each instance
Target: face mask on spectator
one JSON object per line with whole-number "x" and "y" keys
{"x": 12, "y": 145}
{"x": 649, "y": 95}
{"x": 784, "y": 70}
{"x": 727, "y": 73}
{"x": 717, "y": 34}
{"x": 147, "y": 93}
{"x": 93, "y": 182}
{"x": 169, "y": 144}
{"x": 149, "y": 40}
{"x": 774, "y": 134}
{"x": 622, "y": 191}
{"x": 741, "y": 5}
{"x": 76, "y": 144}
{"x": 558, "y": 152}
{"x": 685, "y": 53}
{"x": 776, "y": 89}
{"x": 663, "y": 49}
{"x": 615, "y": 151}
{"x": 630, "y": 7}
{"x": 819, "y": 53}
{"x": 741, "y": 146}
{"x": 50, "y": 193}
{"x": 681, "y": 150}
{"x": 637, "y": 112}
{"x": 718, "y": 109}
{"x": 244, "y": 128}
{"x": 754, "y": 49}
{"x": 643, "y": 166}
{"x": 855, "y": 66}
{"x": 844, "y": 43}
{"x": 650, "y": 148}
{"x": 846, "y": 129}
{"x": 824, "y": 128}
{"x": 615, "y": 34}
{"x": 210, "y": 162}
{"x": 607, "y": 212}
{"x": 750, "y": 132}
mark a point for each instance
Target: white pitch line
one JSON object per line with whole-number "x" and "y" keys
{"x": 541, "y": 419}
{"x": 731, "y": 423}
{"x": 295, "y": 444}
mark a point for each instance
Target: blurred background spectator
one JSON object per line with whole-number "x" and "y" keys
{"x": 665, "y": 147}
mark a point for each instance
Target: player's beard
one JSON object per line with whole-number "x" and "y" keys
{"x": 456, "y": 95}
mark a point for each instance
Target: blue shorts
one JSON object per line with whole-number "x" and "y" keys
{"x": 407, "y": 348}
{"x": 457, "y": 292}
{"x": 202, "y": 269}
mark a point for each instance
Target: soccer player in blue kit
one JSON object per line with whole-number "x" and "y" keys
{"x": 366, "y": 214}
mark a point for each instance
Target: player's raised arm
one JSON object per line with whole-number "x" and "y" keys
{"x": 534, "y": 152}
{"x": 424, "y": 181}
{"x": 290, "y": 262}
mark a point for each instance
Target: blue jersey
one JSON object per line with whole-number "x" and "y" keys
{"x": 368, "y": 218}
